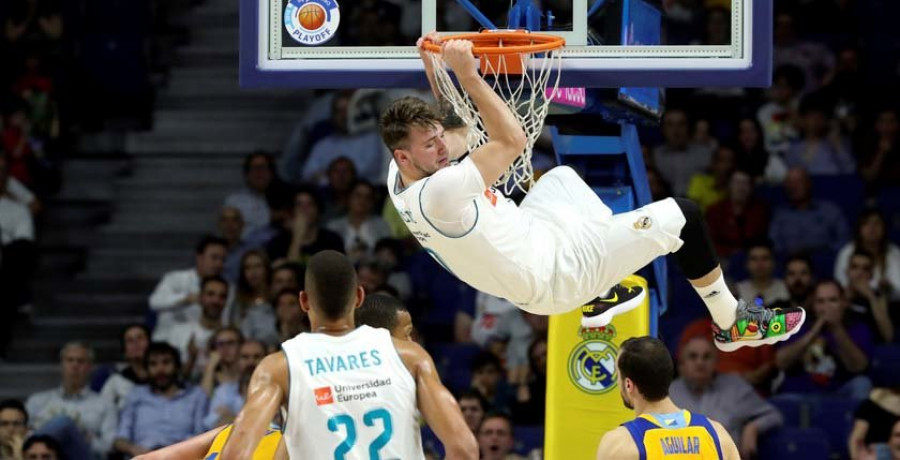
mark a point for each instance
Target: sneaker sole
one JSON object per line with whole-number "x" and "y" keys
{"x": 606, "y": 317}
{"x": 732, "y": 346}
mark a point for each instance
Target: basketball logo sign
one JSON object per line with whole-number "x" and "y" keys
{"x": 312, "y": 22}
{"x": 592, "y": 366}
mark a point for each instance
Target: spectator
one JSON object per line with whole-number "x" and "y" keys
{"x": 832, "y": 356}
{"x": 738, "y": 218}
{"x": 73, "y": 403}
{"x": 291, "y": 320}
{"x": 755, "y": 365}
{"x": 752, "y": 155}
{"x": 778, "y": 117}
{"x": 498, "y": 320}
{"x": 389, "y": 252}
{"x": 280, "y": 215}
{"x": 867, "y": 304}
{"x": 222, "y": 365}
{"x": 762, "y": 286}
{"x": 678, "y": 158}
{"x": 874, "y": 421}
{"x": 373, "y": 275}
{"x": 806, "y": 224}
{"x": 41, "y": 447}
{"x": 879, "y": 161}
{"x": 360, "y": 229}
{"x": 134, "y": 339}
{"x": 727, "y": 398}
{"x": 231, "y": 228}
{"x": 13, "y": 428}
{"x": 163, "y": 412}
{"x": 286, "y": 276}
{"x": 341, "y": 177}
{"x": 228, "y": 397}
{"x": 364, "y": 148}
{"x": 495, "y": 438}
{"x": 473, "y": 407}
{"x": 870, "y": 235}
{"x": 302, "y": 236}
{"x": 386, "y": 312}
{"x": 820, "y": 150}
{"x": 487, "y": 379}
{"x": 708, "y": 188}
{"x": 259, "y": 178}
{"x": 175, "y": 298}
{"x": 191, "y": 339}
{"x": 17, "y": 256}
{"x": 659, "y": 188}
{"x": 812, "y": 58}
{"x": 798, "y": 276}
{"x": 252, "y": 310}
{"x": 531, "y": 398}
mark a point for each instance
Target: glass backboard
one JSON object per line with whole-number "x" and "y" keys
{"x": 609, "y": 43}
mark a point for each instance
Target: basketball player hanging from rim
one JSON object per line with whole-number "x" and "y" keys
{"x": 561, "y": 248}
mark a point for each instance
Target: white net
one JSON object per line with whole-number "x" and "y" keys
{"x": 527, "y": 96}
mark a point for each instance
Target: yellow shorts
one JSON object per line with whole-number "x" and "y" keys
{"x": 264, "y": 451}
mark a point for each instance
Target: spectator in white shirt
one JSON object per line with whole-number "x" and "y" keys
{"x": 17, "y": 255}
{"x": 175, "y": 298}
{"x": 360, "y": 229}
{"x": 259, "y": 176}
{"x": 135, "y": 339}
{"x": 191, "y": 338}
{"x": 55, "y": 411}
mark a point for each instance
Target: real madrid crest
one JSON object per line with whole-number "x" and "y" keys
{"x": 592, "y": 363}
{"x": 312, "y": 22}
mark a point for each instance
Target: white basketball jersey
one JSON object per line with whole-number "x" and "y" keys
{"x": 351, "y": 397}
{"x": 503, "y": 252}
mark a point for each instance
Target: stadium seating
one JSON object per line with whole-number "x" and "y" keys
{"x": 834, "y": 416}
{"x": 791, "y": 443}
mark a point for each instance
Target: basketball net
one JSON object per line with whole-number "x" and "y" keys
{"x": 521, "y": 80}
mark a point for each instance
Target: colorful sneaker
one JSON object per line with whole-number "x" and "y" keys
{"x": 757, "y": 326}
{"x": 600, "y": 311}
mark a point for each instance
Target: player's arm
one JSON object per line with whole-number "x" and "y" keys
{"x": 265, "y": 395}
{"x": 729, "y": 449}
{"x": 437, "y": 405}
{"x": 429, "y": 65}
{"x": 506, "y": 139}
{"x": 617, "y": 445}
{"x": 195, "y": 447}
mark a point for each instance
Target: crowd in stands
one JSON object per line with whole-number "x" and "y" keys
{"x": 799, "y": 185}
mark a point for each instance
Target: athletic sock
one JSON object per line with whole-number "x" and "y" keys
{"x": 720, "y": 302}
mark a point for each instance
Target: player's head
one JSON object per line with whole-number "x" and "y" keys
{"x": 332, "y": 290}
{"x": 411, "y": 129}
{"x": 386, "y": 312}
{"x": 645, "y": 370}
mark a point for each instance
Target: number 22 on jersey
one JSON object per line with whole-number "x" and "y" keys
{"x": 369, "y": 419}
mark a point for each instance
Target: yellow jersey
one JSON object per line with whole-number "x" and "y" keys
{"x": 264, "y": 451}
{"x": 676, "y": 436}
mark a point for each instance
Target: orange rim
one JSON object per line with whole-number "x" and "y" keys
{"x": 488, "y": 43}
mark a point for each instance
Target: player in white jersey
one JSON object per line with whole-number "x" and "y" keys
{"x": 561, "y": 248}
{"x": 350, "y": 393}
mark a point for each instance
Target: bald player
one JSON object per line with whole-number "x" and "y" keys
{"x": 348, "y": 392}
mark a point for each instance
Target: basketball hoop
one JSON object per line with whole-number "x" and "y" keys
{"x": 518, "y": 66}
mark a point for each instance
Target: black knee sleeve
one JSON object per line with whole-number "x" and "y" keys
{"x": 697, "y": 257}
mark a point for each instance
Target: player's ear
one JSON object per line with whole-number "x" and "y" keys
{"x": 304, "y": 302}
{"x": 360, "y": 296}
{"x": 401, "y": 156}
